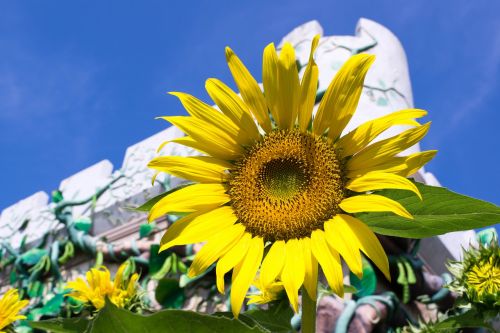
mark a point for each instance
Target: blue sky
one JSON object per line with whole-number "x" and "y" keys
{"x": 82, "y": 80}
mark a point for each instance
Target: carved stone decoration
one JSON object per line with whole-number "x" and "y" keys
{"x": 28, "y": 219}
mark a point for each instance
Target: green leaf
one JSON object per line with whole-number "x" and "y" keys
{"x": 440, "y": 211}
{"x": 276, "y": 318}
{"x": 112, "y": 319}
{"x": 66, "y": 325}
{"x": 146, "y": 207}
{"x": 469, "y": 319}
{"x": 169, "y": 294}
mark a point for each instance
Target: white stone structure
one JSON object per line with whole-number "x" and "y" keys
{"x": 387, "y": 89}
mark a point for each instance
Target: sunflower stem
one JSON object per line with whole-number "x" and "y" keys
{"x": 308, "y": 313}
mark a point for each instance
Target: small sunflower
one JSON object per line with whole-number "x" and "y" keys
{"x": 121, "y": 292}
{"x": 277, "y": 185}
{"x": 10, "y": 306}
{"x": 265, "y": 293}
{"x": 477, "y": 276}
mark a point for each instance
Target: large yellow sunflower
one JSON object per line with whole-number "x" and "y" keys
{"x": 276, "y": 185}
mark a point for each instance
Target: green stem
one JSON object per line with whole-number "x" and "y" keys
{"x": 308, "y": 313}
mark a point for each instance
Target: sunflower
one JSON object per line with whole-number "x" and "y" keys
{"x": 477, "y": 276}
{"x": 121, "y": 292}
{"x": 276, "y": 185}
{"x": 10, "y": 306}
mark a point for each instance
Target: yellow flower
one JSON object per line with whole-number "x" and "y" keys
{"x": 99, "y": 286}
{"x": 10, "y": 306}
{"x": 274, "y": 175}
{"x": 267, "y": 293}
{"x": 484, "y": 277}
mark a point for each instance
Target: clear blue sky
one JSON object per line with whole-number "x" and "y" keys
{"x": 82, "y": 80}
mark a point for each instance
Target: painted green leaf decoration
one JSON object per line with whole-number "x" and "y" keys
{"x": 169, "y": 294}
{"x": 52, "y": 308}
{"x": 157, "y": 259}
{"x": 440, "y": 211}
{"x": 33, "y": 256}
{"x": 146, "y": 229}
{"x": 368, "y": 283}
{"x": 84, "y": 224}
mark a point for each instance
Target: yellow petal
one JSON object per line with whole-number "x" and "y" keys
{"x": 311, "y": 269}
{"x": 329, "y": 260}
{"x": 119, "y": 274}
{"x": 308, "y": 88}
{"x": 216, "y": 151}
{"x": 207, "y": 135}
{"x": 231, "y": 259}
{"x": 216, "y": 247}
{"x": 208, "y": 114}
{"x": 270, "y": 80}
{"x": 202, "y": 169}
{"x": 362, "y": 236}
{"x": 360, "y": 137}
{"x": 293, "y": 271}
{"x": 233, "y": 107}
{"x": 273, "y": 263}
{"x": 198, "y": 227}
{"x": 132, "y": 284}
{"x": 383, "y": 151}
{"x": 380, "y": 180}
{"x": 249, "y": 89}
{"x": 342, "y": 95}
{"x": 341, "y": 243}
{"x": 403, "y": 166}
{"x": 417, "y": 161}
{"x": 189, "y": 199}
{"x": 373, "y": 203}
{"x": 289, "y": 87}
{"x": 244, "y": 274}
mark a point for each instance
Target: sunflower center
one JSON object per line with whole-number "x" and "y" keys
{"x": 287, "y": 185}
{"x": 283, "y": 178}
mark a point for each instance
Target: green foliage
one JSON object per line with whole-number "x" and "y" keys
{"x": 113, "y": 319}
{"x": 60, "y": 325}
{"x": 451, "y": 323}
{"x": 440, "y": 211}
{"x": 469, "y": 319}
{"x": 276, "y": 318}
